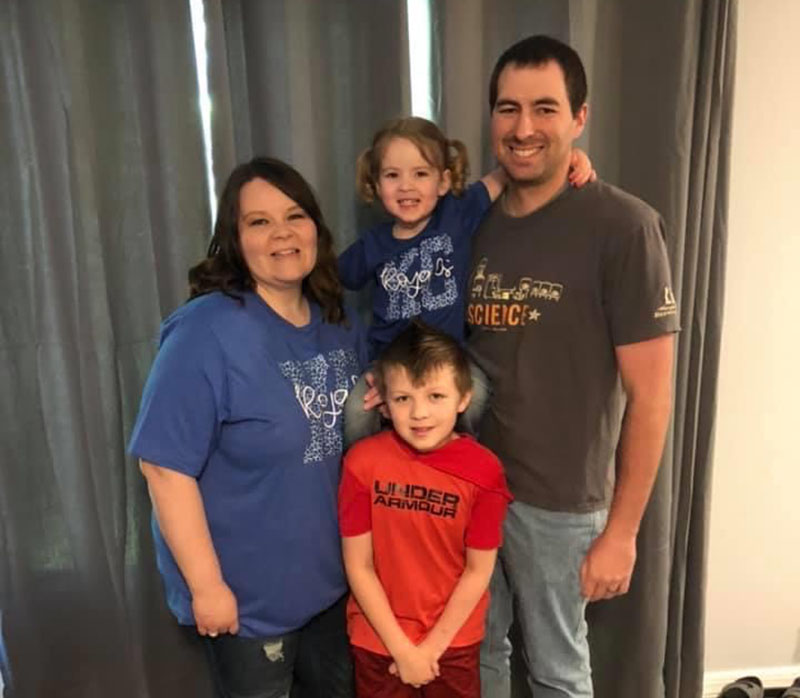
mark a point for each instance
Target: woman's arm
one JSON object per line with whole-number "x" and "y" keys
{"x": 371, "y": 597}
{"x": 182, "y": 519}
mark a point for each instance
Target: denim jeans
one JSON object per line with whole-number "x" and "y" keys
{"x": 360, "y": 423}
{"x": 537, "y": 574}
{"x": 311, "y": 662}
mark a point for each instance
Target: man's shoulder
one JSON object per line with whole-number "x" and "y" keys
{"x": 609, "y": 202}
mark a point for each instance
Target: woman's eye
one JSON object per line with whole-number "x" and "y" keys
{"x": 299, "y": 215}
{"x": 259, "y": 221}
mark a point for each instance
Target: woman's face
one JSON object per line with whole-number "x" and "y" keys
{"x": 278, "y": 239}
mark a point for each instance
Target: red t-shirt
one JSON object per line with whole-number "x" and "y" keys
{"x": 424, "y": 510}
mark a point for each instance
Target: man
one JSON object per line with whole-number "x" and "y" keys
{"x": 572, "y": 318}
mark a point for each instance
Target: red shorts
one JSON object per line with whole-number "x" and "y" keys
{"x": 459, "y": 676}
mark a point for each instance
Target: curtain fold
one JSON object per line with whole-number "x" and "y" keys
{"x": 308, "y": 81}
{"x": 103, "y": 208}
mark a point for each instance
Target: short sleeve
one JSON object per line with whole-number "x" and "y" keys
{"x": 362, "y": 345}
{"x": 182, "y": 402}
{"x": 475, "y": 202}
{"x": 485, "y": 529}
{"x": 355, "y": 514}
{"x": 638, "y": 296}
{"x": 354, "y": 271}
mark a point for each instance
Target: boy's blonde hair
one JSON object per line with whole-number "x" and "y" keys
{"x": 438, "y": 151}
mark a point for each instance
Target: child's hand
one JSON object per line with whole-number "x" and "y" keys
{"x": 414, "y": 667}
{"x": 432, "y": 652}
{"x": 580, "y": 169}
{"x": 372, "y": 398}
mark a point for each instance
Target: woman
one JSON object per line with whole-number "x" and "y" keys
{"x": 239, "y": 438}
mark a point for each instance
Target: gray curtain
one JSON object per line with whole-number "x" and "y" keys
{"x": 307, "y": 81}
{"x": 660, "y": 95}
{"x": 102, "y": 208}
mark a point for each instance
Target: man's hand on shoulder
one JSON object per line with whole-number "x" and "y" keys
{"x": 606, "y": 571}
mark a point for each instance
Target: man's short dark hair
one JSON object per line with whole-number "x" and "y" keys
{"x": 538, "y": 50}
{"x": 421, "y": 349}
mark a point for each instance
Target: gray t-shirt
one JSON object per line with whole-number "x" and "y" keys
{"x": 550, "y": 297}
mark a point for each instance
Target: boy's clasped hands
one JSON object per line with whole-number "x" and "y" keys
{"x": 417, "y": 664}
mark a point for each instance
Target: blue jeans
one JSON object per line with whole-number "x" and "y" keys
{"x": 537, "y": 574}
{"x": 360, "y": 423}
{"x": 311, "y": 662}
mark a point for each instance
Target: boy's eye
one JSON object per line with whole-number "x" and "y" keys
{"x": 438, "y": 396}
{"x": 400, "y": 398}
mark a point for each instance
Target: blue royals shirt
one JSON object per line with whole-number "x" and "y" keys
{"x": 251, "y": 407}
{"x": 423, "y": 277}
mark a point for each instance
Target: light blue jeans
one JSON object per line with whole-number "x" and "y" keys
{"x": 538, "y": 575}
{"x": 360, "y": 423}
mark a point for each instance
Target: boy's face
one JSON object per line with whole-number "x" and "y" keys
{"x": 424, "y": 415}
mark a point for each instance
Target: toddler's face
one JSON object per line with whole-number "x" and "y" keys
{"x": 409, "y": 187}
{"x": 424, "y": 415}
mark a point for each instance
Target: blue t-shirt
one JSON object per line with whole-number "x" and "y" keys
{"x": 251, "y": 407}
{"x": 425, "y": 276}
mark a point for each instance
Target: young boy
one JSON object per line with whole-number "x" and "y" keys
{"x": 420, "y": 511}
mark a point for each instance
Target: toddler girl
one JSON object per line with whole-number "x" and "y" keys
{"x": 420, "y": 258}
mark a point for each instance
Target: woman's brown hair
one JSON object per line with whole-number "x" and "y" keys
{"x": 224, "y": 268}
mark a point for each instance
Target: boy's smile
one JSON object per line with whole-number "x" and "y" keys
{"x": 424, "y": 415}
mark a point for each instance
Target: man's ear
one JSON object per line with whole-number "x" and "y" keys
{"x": 580, "y": 119}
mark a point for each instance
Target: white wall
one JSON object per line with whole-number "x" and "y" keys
{"x": 753, "y": 600}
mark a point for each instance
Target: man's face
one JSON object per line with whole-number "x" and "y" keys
{"x": 532, "y": 124}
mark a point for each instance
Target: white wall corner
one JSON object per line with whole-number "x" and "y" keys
{"x": 771, "y": 677}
